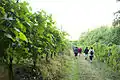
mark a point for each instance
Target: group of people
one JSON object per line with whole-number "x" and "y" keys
{"x": 77, "y": 51}
{"x": 90, "y": 52}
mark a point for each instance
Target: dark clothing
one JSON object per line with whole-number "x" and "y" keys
{"x": 79, "y": 50}
{"x": 91, "y": 57}
{"x": 76, "y": 54}
{"x": 91, "y": 53}
{"x": 86, "y": 51}
{"x": 75, "y": 50}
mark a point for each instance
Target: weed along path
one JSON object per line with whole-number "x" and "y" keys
{"x": 82, "y": 69}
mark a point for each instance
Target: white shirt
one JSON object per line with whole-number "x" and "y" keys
{"x": 90, "y": 51}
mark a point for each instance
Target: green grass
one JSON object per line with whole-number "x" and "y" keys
{"x": 72, "y": 70}
{"x": 80, "y": 69}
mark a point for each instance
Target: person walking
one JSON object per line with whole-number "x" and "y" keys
{"x": 86, "y": 52}
{"x": 79, "y": 51}
{"x": 91, "y": 52}
{"x": 76, "y": 51}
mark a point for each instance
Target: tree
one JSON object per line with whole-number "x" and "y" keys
{"x": 27, "y": 36}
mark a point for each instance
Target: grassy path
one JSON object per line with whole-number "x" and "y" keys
{"x": 81, "y": 69}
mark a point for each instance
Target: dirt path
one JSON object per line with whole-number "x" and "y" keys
{"x": 88, "y": 71}
{"x": 82, "y": 69}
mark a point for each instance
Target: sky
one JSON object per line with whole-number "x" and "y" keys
{"x": 77, "y": 16}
